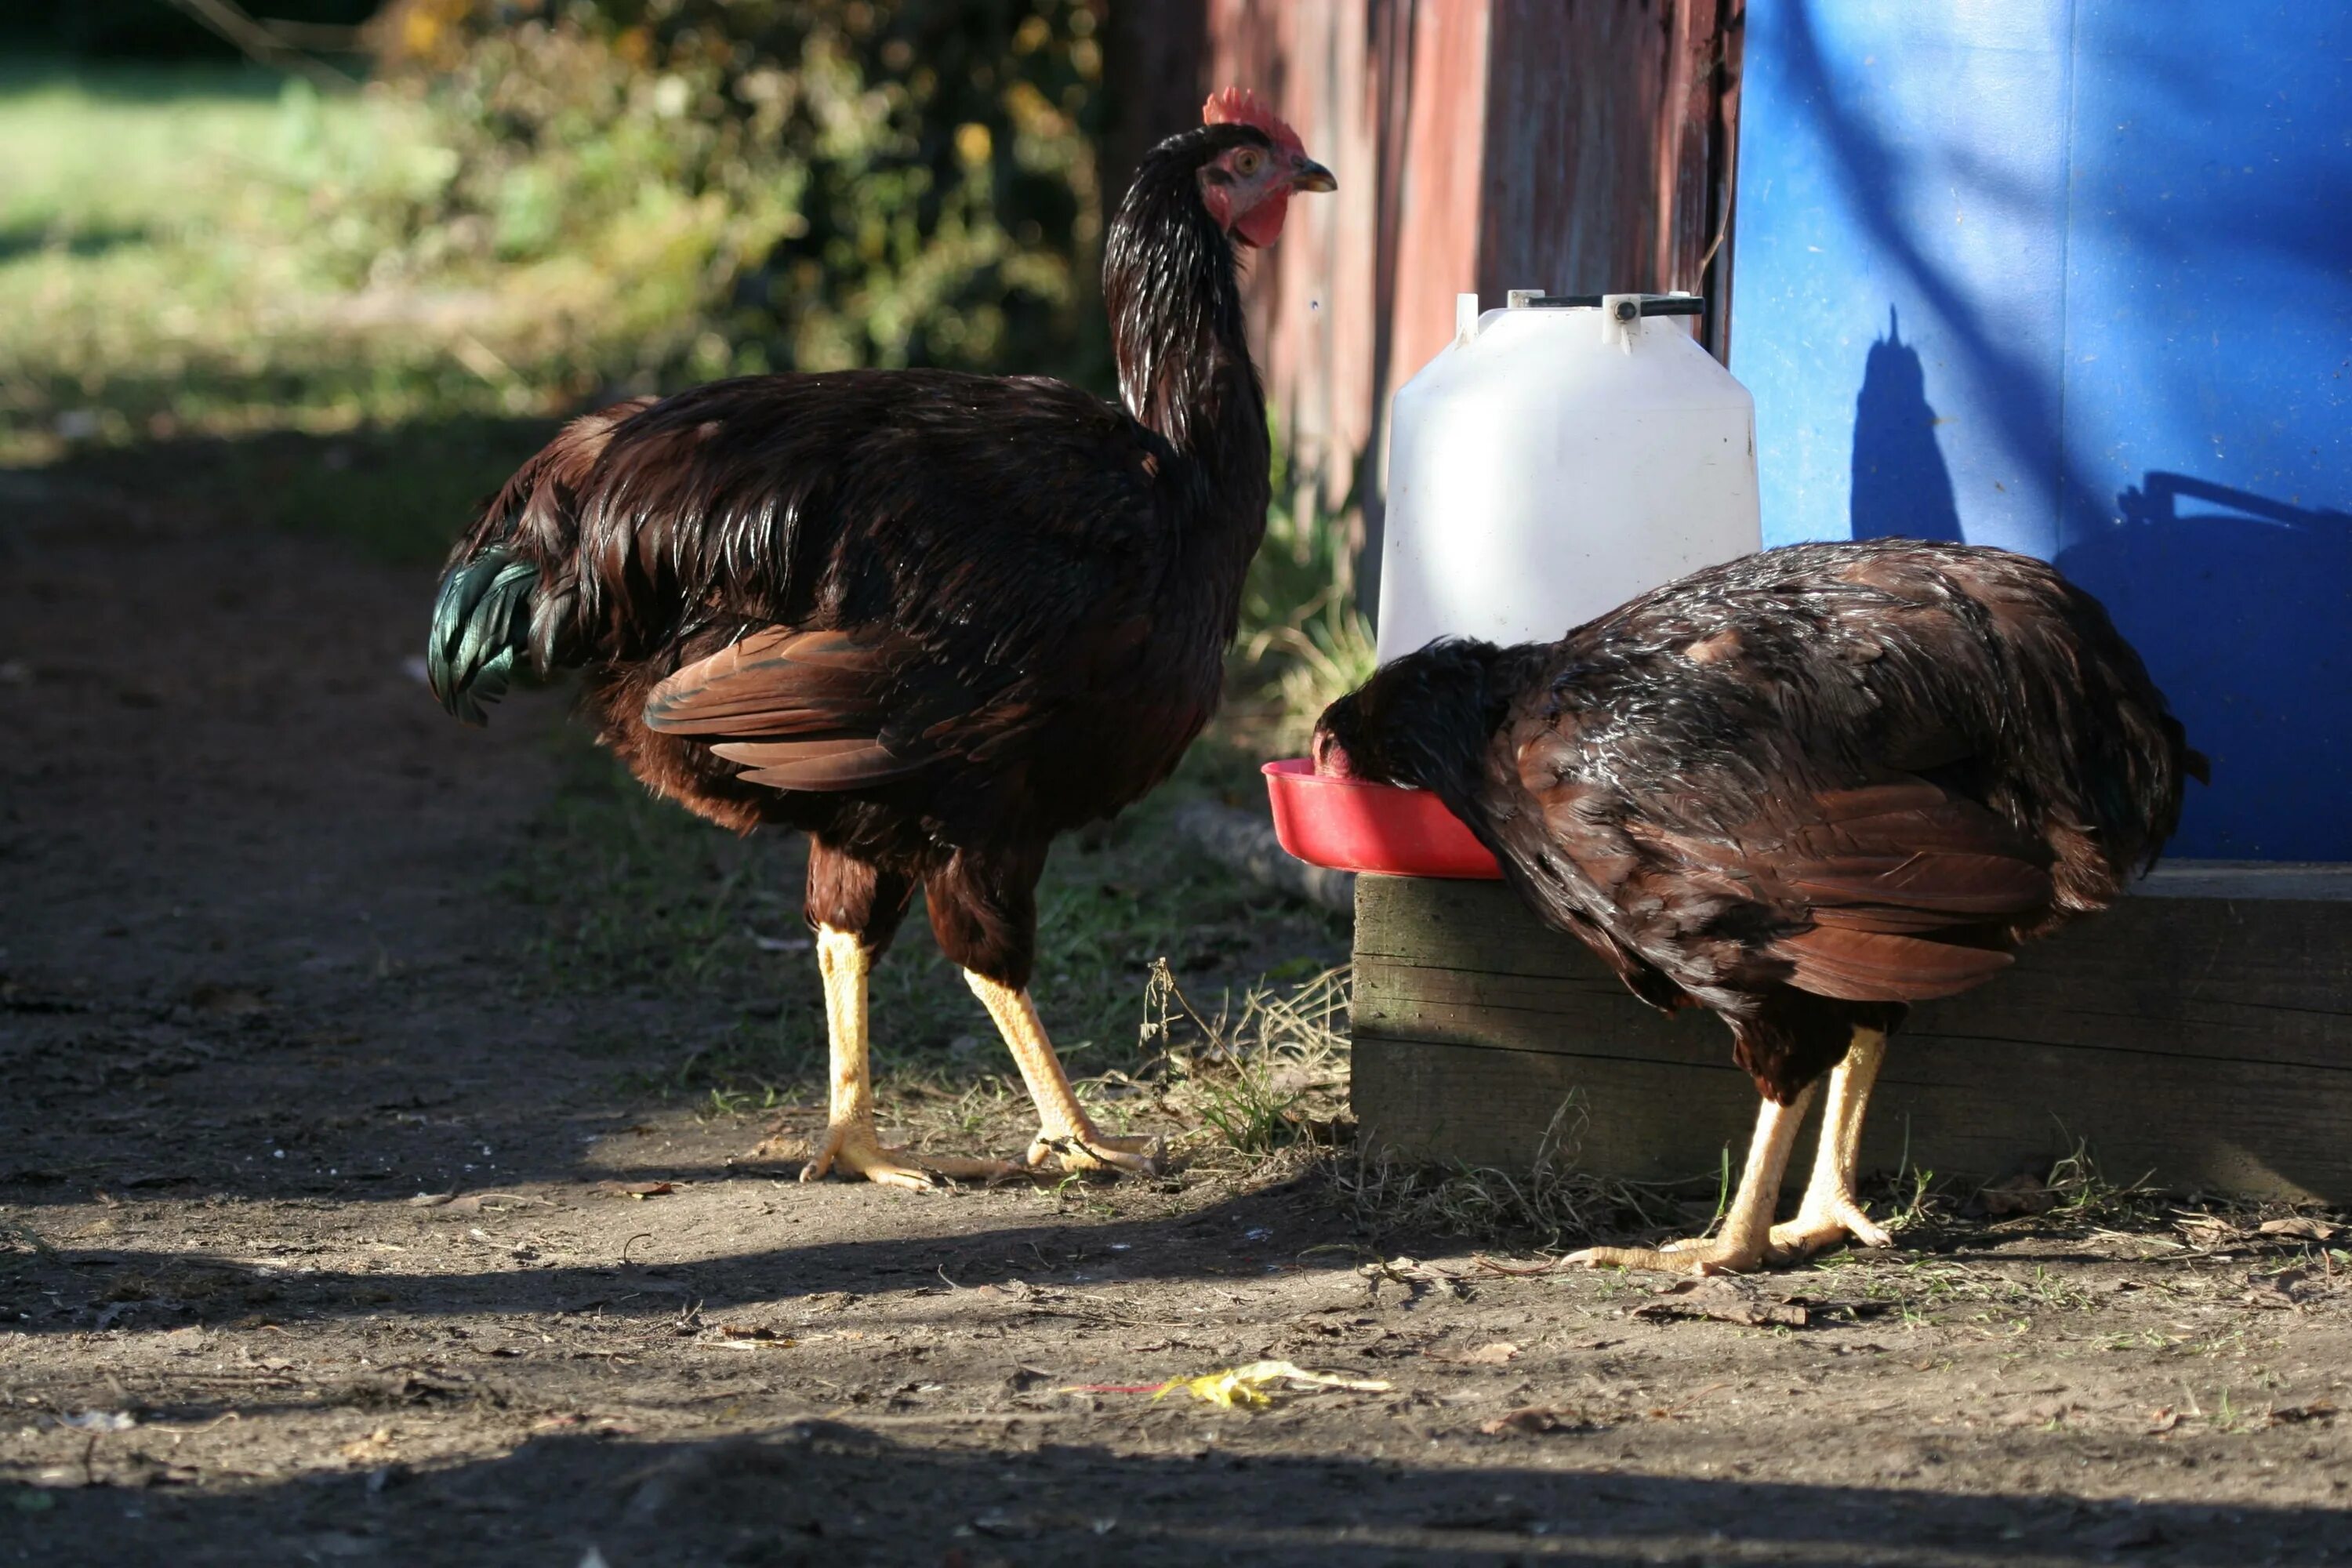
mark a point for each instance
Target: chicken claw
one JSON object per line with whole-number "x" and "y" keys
{"x": 1068, "y": 1131}
{"x": 1813, "y": 1230}
{"x": 1692, "y": 1257}
{"x": 1093, "y": 1151}
{"x": 857, "y": 1152}
{"x": 1747, "y": 1221}
{"x": 1830, "y": 1212}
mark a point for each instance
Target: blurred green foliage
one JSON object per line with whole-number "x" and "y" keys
{"x": 533, "y": 208}
{"x": 789, "y": 184}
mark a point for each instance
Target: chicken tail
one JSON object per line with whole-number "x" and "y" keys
{"x": 482, "y": 625}
{"x": 512, "y": 594}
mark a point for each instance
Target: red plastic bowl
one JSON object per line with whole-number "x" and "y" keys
{"x": 1351, "y": 826}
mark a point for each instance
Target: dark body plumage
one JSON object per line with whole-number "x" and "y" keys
{"x": 933, "y": 619}
{"x": 1801, "y": 789}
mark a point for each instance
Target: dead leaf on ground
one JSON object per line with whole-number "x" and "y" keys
{"x": 2018, "y": 1194}
{"x": 639, "y": 1190}
{"x": 370, "y": 1449}
{"x": 748, "y": 1337}
{"x": 2295, "y": 1415}
{"x": 2040, "y": 1413}
{"x": 1494, "y": 1355}
{"x": 2301, "y": 1227}
{"x": 2164, "y": 1418}
{"x": 1537, "y": 1419}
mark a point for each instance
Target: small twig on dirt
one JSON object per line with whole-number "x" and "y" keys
{"x": 1673, "y": 1412}
{"x": 1492, "y": 1267}
{"x": 641, "y": 1235}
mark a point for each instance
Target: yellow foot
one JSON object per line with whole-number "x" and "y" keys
{"x": 858, "y": 1152}
{"x": 1831, "y": 1225}
{"x": 1693, "y": 1256}
{"x": 1093, "y": 1151}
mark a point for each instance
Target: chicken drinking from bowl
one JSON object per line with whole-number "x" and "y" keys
{"x": 1801, "y": 790}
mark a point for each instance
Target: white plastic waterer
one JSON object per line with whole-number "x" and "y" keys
{"x": 1556, "y": 460}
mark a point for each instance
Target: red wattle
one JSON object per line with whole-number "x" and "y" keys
{"x": 1263, "y": 223}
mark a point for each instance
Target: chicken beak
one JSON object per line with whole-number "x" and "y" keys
{"x": 1310, "y": 175}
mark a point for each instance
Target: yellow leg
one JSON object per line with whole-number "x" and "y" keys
{"x": 850, "y": 1140}
{"x": 1747, "y": 1228}
{"x": 1065, "y": 1128}
{"x": 1830, "y": 1213}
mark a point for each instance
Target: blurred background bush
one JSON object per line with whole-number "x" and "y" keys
{"x": 766, "y": 183}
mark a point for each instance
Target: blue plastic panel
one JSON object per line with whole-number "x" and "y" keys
{"x": 2074, "y": 276}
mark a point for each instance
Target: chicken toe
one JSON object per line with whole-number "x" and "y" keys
{"x": 1065, "y": 1132}
{"x": 1838, "y": 1221}
{"x": 1714, "y": 1255}
{"x": 1746, "y": 1226}
{"x": 1088, "y": 1149}
{"x": 1830, "y": 1213}
{"x": 856, "y": 1152}
{"x": 850, "y": 1143}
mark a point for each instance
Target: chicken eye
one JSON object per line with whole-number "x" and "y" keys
{"x": 1247, "y": 161}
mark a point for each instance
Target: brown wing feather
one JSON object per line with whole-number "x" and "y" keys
{"x": 1909, "y": 893}
{"x": 800, "y": 710}
{"x": 1880, "y": 966}
{"x": 820, "y": 764}
{"x": 779, "y": 681}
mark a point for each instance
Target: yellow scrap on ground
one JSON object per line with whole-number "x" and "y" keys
{"x": 1246, "y": 1387}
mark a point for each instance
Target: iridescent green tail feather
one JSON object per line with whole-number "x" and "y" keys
{"x": 481, "y": 624}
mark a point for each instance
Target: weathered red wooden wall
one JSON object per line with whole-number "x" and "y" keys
{"x": 1571, "y": 145}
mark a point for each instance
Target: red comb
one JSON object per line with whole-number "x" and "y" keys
{"x": 1240, "y": 106}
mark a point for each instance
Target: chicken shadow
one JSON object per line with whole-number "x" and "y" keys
{"x": 816, "y": 1490}
{"x": 2238, "y": 600}
{"x": 1901, "y": 487}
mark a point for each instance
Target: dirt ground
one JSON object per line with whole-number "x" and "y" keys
{"x": 322, "y": 1241}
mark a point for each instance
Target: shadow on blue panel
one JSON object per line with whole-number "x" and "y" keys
{"x": 2238, "y": 602}
{"x": 2001, "y": 381}
{"x": 1901, "y": 486}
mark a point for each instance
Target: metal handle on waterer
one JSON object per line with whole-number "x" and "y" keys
{"x": 1646, "y": 304}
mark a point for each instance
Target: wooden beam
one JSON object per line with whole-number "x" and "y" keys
{"x": 2206, "y": 1041}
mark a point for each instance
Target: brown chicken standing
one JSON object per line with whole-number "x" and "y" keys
{"x": 932, "y": 619}
{"x": 1801, "y": 790}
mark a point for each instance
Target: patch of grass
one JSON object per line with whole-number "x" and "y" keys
{"x": 188, "y": 311}
{"x": 186, "y": 252}
{"x": 2084, "y": 1193}
{"x": 1548, "y": 1205}
{"x": 1255, "y": 1081}
{"x": 640, "y": 897}
{"x": 1304, "y": 642}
